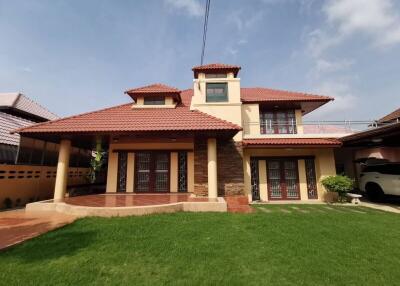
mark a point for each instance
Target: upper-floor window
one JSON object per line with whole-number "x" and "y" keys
{"x": 154, "y": 100}
{"x": 215, "y": 75}
{"x": 216, "y": 92}
{"x": 278, "y": 122}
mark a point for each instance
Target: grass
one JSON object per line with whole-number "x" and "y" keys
{"x": 282, "y": 245}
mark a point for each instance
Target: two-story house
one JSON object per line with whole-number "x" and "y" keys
{"x": 216, "y": 139}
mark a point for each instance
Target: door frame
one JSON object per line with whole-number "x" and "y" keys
{"x": 152, "y": 172}
{"x": 283, "y": 179}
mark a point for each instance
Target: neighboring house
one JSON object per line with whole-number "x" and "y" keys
{"x": 393, "y": 117}
{"x": 17, "y": 111}
{"x": 216, "y": 139}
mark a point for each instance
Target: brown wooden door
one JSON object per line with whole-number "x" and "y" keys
{"x": 152, "y": 171}
{"x": 283, "y": 179}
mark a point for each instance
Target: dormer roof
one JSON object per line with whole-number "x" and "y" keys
{"x": 156, "y": 89}
{"x": 215, "y": 68}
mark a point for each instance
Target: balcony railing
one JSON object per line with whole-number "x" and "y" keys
{"x": 306, "y": 127}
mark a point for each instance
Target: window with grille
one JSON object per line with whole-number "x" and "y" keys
{"x": 278, "y": 122}
{"x": 255, "y": 181}
{"x": 122, "y": 164}
{"x": 182, "y": 172}
{"x": 311, "y": 179}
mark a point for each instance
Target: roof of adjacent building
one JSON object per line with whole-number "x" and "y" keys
{"x": 18, "y": 101}
{"x": 391, "y": 117}
{"x": 292, "y": 142}
{"x": 9, "y": 123}
{"x": 387, "y": 132}
{"x": 215, "y": 68}
{"x": 124, "y": 118}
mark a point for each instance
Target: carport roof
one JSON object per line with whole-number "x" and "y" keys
{"x": 386, "y": 135}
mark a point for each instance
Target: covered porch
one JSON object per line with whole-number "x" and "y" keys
{"x": 146, "y": 173}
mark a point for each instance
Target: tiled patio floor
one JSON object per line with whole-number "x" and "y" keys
{"x": 129, "y": 200}
{"x": 17, "y": 226}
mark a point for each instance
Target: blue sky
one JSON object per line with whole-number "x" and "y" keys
{"x": 77, "y": 56}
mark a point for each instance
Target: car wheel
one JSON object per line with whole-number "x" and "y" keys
{"x": 374, "y": 192}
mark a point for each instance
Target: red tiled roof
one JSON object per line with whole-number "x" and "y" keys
{"x": 390, "y": 117}
{"x": 124, "y": 118}
{"x": 260, "y": 94}
{"x": 292, "y": 142}
{"x": 215, "y": 67}
{"x": 154, "y": 88}
{"x": 266, "y": 94}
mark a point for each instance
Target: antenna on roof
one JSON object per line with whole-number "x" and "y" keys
{"x": 207, "y": 11}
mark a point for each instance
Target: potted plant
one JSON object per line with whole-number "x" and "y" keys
{"x": 338, "y": 184}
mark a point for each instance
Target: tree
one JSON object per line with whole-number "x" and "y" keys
{"x": 96, "y": 163}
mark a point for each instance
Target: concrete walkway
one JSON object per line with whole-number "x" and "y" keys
{"x": 17, "y": 226}
{"x": 383, "y": 207}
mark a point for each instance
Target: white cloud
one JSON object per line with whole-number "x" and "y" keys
{"x": 375, "y": 18}
{"x": 191, "y": 7}
{"x": 376, "y": 21}
{"x": 344, "y": 101}
{"x": 26, "y": 69}
{"x": 323, "y": 65}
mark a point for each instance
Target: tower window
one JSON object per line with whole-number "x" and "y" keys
{"x": 154, "y": 100}
{"x": 216, "y": 92}
{"x": 215, "y": 75}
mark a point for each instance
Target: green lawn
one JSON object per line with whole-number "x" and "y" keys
{"x": 282, "y": 245}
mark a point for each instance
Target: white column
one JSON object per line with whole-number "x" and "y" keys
{"x": 212, "y": 168}
{"x": 62, "y": 170}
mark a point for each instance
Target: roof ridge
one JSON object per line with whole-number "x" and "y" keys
{"x": 162, "y": 85}
{"x": 69, "y": 117}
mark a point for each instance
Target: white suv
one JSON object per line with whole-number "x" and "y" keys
{"x": 380, "y": 179}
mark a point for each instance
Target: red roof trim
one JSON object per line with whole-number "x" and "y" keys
{"x": 260, "y": 94}
{"x": 215, "y": 67}
{"x": 156, "y": 89}
{"x": 292, "y": 142}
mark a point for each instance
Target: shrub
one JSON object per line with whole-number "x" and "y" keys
{"x": 17, "y": 202}
{"x": 7, "y": 203}
{"x": 339, "y": 184}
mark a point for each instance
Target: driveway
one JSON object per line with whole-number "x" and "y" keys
{"x": 17, "y": 226}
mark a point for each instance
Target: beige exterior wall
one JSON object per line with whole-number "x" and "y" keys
{"x": 324, "y": 166}
{"x": 150, "y": 144}
{"x": 27, "y": 183}
{"x": 299, "y": 121}
{"x": 262, "y": 173}
{"x": 173, "y": 180}
{"x": 301, "y": 165}
{"x": 251, "y": 119}
{"x": 230, "y": 111}
{"x": 130, "y": 169}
